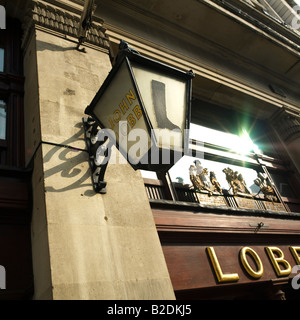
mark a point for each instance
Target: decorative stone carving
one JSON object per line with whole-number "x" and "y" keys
{"x": 61, "y": 21}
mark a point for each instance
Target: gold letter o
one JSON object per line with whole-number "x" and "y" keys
{"x": 260, "y": 269}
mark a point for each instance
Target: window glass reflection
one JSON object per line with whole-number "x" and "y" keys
{"x": 148, "y": 174}
{"x": 180, "y": 172}
{"x": 241, "y": 144}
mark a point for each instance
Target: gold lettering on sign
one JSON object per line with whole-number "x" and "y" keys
{"x": 276, "y": 257}
{"x": 130, "y": 96}
{"x": 131, "y": 120}
{"x": 125, "y": 112}
{"x": 295, "y": 252}
{"x": 123, "y": 106}
{"x": 137, "y": 111}
{"x": 117, "y": 116}
{"x": 229, "y": 277}
{"x": 260, "y": 269}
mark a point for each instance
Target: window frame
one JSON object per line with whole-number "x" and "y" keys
{"x": 165, "y": 188}
{"x": 12, "y": 150}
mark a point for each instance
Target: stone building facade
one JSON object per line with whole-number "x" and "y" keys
{"x": 147, "y": 238}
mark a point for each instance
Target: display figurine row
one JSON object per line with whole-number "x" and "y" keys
{"x": 201, "y": 180}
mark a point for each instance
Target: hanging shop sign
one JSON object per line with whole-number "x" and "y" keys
{"x": 144, "y": 107}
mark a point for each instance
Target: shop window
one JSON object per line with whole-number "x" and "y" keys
{"x": 230, "y": 151}
{"x": 240, "y": 168}
{"x": 237, "y": 144}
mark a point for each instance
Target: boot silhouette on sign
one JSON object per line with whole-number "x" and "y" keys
{"x": 160, "y": 108}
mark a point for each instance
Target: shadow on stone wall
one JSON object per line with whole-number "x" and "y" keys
{"x": 66, "y": 167}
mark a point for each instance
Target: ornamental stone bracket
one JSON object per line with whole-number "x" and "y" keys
{"x": 61, "y": 21}
{"x": 287, "y": 124}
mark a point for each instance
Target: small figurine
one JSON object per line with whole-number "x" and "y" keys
{"x": 197, "y": 184}
{"x": 215, "y": 183}
{"x": 199, "y": 177}
{"x": 198, "y": 167}
{"x": 265, "y": 188}
{"x": 205, "y": 179}
{"x": 236, "y": 181}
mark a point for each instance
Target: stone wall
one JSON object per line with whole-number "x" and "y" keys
{"x": 84, "y": 245}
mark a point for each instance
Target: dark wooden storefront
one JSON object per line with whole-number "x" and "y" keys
{"x": 187, "y": 228}
{"x": 187, "y": 231}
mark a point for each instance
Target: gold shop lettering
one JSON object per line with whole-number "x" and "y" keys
{"x": 126, "y": 111}
{"x": 275, "y": 255}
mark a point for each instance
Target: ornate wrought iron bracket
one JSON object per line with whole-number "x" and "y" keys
{"x": 99, "y": 149}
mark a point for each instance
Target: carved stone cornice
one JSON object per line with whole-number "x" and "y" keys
{"x": 287, "y": 124}
{"x": 61, "y": 21}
